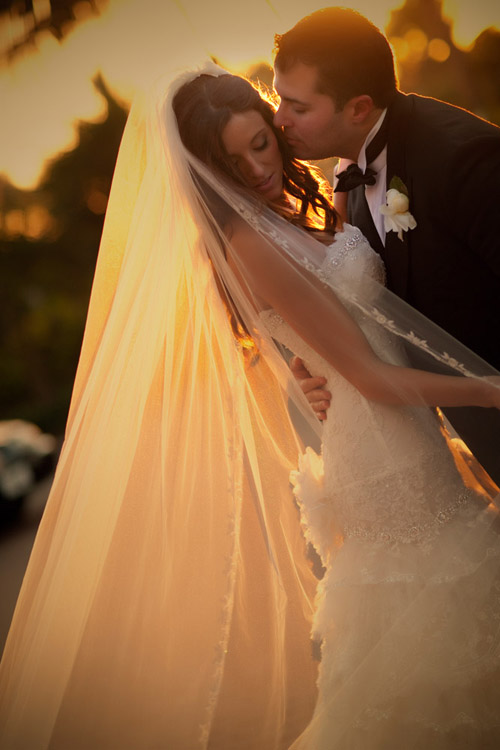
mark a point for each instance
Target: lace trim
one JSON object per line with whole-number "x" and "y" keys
{"x": 336, "y": 259}
{"x": 461, "y": 721}
{"x": 412, "y": 338}
{"x": 254, "y": 218}
{"x": 408, "y": 534}
{"x": 235, "y": 495}
{"x": 273, "y": 319}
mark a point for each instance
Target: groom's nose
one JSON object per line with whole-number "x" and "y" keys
{"x": 280, "y": 118}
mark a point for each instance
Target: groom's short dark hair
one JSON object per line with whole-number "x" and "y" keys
{"x": 352, "y": 55}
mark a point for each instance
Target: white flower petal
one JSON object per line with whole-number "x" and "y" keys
{"x": 397, "y": 218}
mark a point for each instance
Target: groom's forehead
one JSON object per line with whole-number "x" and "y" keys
{"x": 296, "y": 82}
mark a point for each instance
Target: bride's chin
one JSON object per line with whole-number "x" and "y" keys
{"x": 276, "y": 195}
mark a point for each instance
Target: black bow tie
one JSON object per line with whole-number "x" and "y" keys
{"x": 351, "y": 177}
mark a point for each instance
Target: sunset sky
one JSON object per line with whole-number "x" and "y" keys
{"x": 44, "y": 92}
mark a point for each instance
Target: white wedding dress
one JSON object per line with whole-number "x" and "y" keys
{"x": 408, "y": 610}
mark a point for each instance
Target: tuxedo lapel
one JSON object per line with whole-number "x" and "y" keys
{"x": 360, "y": 216}
{"x": 396, "y": 253}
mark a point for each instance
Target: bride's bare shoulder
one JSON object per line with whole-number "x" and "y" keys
{"x": 238, "y": 227}
{"x": 242, "y": 236}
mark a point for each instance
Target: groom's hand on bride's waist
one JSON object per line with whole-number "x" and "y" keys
{"x": 313, "y": 388}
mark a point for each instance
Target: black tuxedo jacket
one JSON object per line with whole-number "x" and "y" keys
{"x": 448, "y": 267}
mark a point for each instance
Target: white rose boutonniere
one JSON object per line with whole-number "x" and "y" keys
{"x": 397, "y": 218}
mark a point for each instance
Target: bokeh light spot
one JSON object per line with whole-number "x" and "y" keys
{"x": 401, "y": 48}
{"x": 15, "y": 222}
{"x": 417, "y": 43}
{"x": 438, "y": 50}
{"x": 39, "y": 222}
{"x": 97, "y": 202}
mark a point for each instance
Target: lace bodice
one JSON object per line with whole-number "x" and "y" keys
{"x": 378, "y": 460}
{"x": 409, "y": 604}
{"x": 349, "y": 262}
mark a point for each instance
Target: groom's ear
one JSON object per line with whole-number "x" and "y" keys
{"x": 360, "y": 108}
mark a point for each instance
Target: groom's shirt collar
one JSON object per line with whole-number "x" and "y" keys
{"x": 369, "y": 138}
{"x": 375, "y": 194}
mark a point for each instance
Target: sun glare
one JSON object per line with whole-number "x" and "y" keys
{"x": 44, "y": 93}
{"x": 470, "y": 18}
{"x": 48, "y": 88}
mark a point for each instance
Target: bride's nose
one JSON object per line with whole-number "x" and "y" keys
{"x": 253, "y": 169}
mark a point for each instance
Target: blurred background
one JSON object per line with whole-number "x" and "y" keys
{"x": 68, "y": 71}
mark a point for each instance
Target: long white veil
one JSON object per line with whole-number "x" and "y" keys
{"x": 168, "y": 598}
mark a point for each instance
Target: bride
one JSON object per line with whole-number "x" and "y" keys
{"x": 169, "y": 596}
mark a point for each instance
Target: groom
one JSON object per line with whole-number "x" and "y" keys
{"x": 334, "y": 74}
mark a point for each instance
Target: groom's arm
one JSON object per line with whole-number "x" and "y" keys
{"x": 313, "y": 389}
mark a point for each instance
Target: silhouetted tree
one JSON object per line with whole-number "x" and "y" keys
{"x": 45, "y": 283}
{"x": 467, "y": 79}
{"x": 45, "y": 278}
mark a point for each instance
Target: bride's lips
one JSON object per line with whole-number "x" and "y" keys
{"x": 265, "y": 185}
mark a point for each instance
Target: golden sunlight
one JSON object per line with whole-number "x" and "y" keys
{"x": 472, "y": 473}
{"x": 48, "y": 86}
{"x": 470, "y": 18}
{"x": 438, "y": 50}
{"x": 43, "y": 93}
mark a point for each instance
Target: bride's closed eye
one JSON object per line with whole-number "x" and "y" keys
{"x": 262, "y": 146}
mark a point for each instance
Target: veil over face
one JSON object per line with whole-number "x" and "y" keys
{"x": 169, "y": 595}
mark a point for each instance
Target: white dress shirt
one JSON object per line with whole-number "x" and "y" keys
{"x": 375, "y": 194}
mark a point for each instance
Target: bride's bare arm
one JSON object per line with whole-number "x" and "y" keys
{"x": 320, "y": 319}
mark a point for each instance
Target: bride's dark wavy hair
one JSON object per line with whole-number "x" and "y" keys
{"x": 204, "y": 106}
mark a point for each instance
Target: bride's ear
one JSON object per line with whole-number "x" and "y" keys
{"x": 360, "y": 108}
